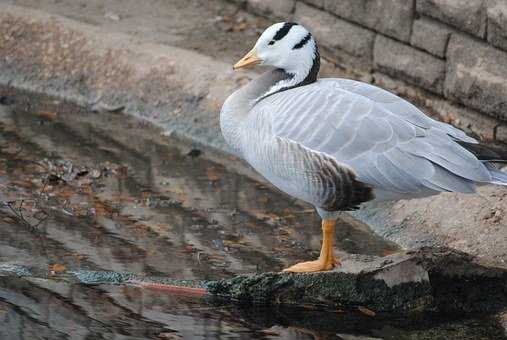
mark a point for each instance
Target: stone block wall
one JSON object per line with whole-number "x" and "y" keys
{"x": 448, "y": 55}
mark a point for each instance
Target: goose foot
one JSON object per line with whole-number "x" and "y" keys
{"x": 314, "y": 266}
{"x": 327, "y": 260}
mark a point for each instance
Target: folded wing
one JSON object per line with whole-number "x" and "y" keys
{"x": 387, "y": 141}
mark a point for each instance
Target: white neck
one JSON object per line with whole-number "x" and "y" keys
{"x": 238, "y": 105}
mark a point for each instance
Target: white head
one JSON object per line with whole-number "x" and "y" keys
{"x": 287, "y": 46}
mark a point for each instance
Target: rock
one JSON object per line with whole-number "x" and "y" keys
{"x": 430, "y": 36}
{"x": 467, "y": 15}
{"x": 501, "y": 132}
{"x": 278, "y": 8}
{"x": 351, "y": 44}
{"x": 414, "y": 66}
{"x": 390, "y": 17}
{"x": 316, "y": 3}
{"x": 112, "y": 16}
{"x": 476, "y": 75}
{"x": 456, "y": 220}
{"x": 425, "y": 280}
{"x": 497, "y": 23}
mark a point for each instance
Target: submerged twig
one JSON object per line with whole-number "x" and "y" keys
{"x": 17, "y": 211}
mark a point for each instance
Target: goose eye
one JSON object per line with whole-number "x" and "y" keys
{"x": 272, "y": 42}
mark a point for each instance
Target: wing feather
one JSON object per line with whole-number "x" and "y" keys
{"x": 390, "y": 143}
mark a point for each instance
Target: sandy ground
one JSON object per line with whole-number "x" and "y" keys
{"x": 213, "y": 27}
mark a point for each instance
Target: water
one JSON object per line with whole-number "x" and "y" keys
{"x": 75, "y": 200}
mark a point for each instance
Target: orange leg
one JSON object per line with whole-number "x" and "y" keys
{"x": 327, "y": 260}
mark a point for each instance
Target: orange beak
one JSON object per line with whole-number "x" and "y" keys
{"x": 249, "y": 60}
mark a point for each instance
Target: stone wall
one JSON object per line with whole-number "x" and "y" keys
{"x": 450, "y": 56}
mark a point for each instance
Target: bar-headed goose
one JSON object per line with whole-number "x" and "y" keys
{"x": 337, "y": 143}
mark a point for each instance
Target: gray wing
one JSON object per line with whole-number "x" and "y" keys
{"x": 390, "y": 143}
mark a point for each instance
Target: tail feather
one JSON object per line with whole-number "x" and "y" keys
{"x": 489, "y": 154}
{"x": 483, "y": 152}
{"x": 497, "y": 176}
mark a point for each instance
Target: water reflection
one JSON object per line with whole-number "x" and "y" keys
{"x": 154, "y": 210}
{"x": 153, "y": 203}
{"x": 44, "y": 309}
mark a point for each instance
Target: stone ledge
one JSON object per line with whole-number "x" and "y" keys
{"x": 405, "y": 62}
{"x": 476, "y": 75}
{"x": 279, "y": 8}
{"x": 467, "y": 15}
{"x": 497, "y": 23}
{"x": 429, "y": 279}
{"x": 392, "y": 18}
{"x": 335, "y": 34}
{"x": 430, "y": 36}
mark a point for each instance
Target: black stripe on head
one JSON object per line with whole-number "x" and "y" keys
{"x": 314, "y": 71}
{"x": 303, "y": 42}
{"x": 282, "y": 32}
{"x": 310, "y": 78}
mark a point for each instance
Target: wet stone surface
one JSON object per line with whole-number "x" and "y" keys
{"x": 78, "y": 207}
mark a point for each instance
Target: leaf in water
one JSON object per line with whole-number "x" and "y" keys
{"x": 66, "y": 193}
{"x": 387, "y": 252}
{"x": 57, "y": 268}
{"x": 163, "y": 226}
{"x": 263, "y": 199}
{"x": 8, "y": 220}
{"x": 86, "y": 188}
{"x": 123, "y": 198}
{"x": 49, "y": 115}
{"x": 168, "y": 335}
{"x": 251, "y": 225}
{"x": 78, "y": 257}
{"x": 22, "y": 183}
{"x": 269, "y": 332}
{"x": 101, "y": 209}
{"x": 212, "y": 175}
{"x": 146, "y": 194}
{"x": 309, "y": 306}
{"x": 189, "y": 249}
{"x": 236, "y": 241}
{"x": 366, "y": 311}
{"x": 122, "y": 171}
{"x": 11, "y": 149}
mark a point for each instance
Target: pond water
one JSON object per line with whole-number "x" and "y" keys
{"x": 74, "y": 200}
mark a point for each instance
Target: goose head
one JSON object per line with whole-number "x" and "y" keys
{"x": 287, "y": 46}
